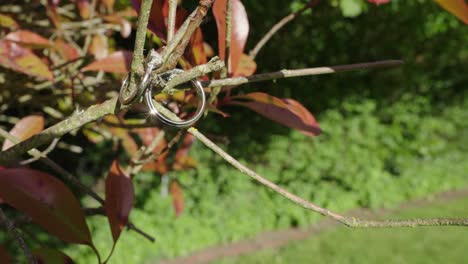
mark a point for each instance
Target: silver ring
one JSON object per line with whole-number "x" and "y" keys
{"x": 126, "y": 99}
{"x": 180, "y": 124}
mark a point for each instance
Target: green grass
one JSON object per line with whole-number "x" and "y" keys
{"x": 414, "y": 245}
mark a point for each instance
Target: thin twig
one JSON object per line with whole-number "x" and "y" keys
{"x": 300, "y": 72}
{"x": 285, "y": 20}
{"x": 44, "y": 153}
{"x": 17, "y": 236}
{"x": 227, "y": 40}
{"x": 348, "y": 221}
{"x": 172, "y": 19}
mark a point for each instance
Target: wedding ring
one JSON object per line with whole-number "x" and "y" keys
{"x": 184, "y": 123}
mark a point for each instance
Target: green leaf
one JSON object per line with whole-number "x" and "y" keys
{"x": 351, "y": 8}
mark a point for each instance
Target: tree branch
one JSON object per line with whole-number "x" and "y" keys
{"x": 17, "y": 236}
{"x": 171, "y": 20}
{"x": 276, "y": 27}
{"x": 300, "y": 72}
{"x": 348, "y": 221}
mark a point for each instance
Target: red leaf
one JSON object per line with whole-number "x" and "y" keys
{"x": 459, "y": 8}
{"x": 117, "y": 62}
{"x": 246, "y": 66}
{"x": 177, "y": 198}
{"x": 284, "y": 111}
{"x": 239, "y": 31}
{"x": 25, "y": 128}
{"x": 8, "y": 22}
{"x": 47, "y": 201}
{"x": 5, "y": 257}
{"x": 158, "y": 16}
{"x": 99, "y": 47}
{"x": 378, "y": 2}
{"x": 28, "y": 38}
{"x": 67, "y": 51}
{"x": 23, "y": 60}
{"x": 84, "y": 7}
{"x": 51, "y": 256}
{"x": 119, "y": 199}
{"x": 196, "y": 52}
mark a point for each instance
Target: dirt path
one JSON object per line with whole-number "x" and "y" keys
{"x": 276, "y": 239}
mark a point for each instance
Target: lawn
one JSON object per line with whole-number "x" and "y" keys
{"x": 406, "y": 245}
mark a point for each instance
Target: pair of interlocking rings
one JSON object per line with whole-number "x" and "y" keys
{"x": 146, "y": 87}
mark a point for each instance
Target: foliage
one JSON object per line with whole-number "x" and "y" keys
{"x": 65, "y": 58}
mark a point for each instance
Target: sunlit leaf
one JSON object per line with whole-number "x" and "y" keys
{"x": 239, "y": 30}
{"x": 84, "y": 7}
{"x": 25, "y": 128}
{"x": 99, "y": 47}
{"x": 47, "y": 201}
{"x": 23, "y": 60}
{"x": 8, "y": 22}
{"x": 177, "y": 198}
{"x": 66, "y": 51}
{"x": 27, "y": 38}
{"x": 109, "y": 3}
{"x": 246, "y": 67}
{"x": 196, "y": 52}
{"x": 117, "y": 62}
{"x": 119, "y": 199}
{"x": 459, "y": 8}
{"x": 51, "y": 256}
{"x": 5, "y": 257}
{"x": 284, "y": 111}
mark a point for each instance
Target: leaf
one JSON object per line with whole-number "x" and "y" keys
{"x": 196, "y": 52}
{"x": 25, "y": 128}
{"x": 84, "y": 7}
{"x": 177, "y": 197}
{"x": 119, "y": 199}
{"x": 8, "y": 22}
{"x": 51, "y": 256}
{"x": 128, "y": 143}
{"x": 459, "y": 8}
{"x": 5, "y": 257}
{"x": 182, "y": 160}
{"x": 66, "y": 51}
{"x": 284, "y": 111}
{"x": 47, "y": 201}
{"x": 99, "y": 47}
{"x": 351, "y": 8}
{"x": 158, "y": 16}
{"x": 117, "y": 62}
{"x": 159, "y": 165}
{"x": 239, "y": 30}
{"x": 246, "y": 67}
{"x": 27, "y": 38}
{"x": 23, "y": 60}
{"x": 109, "y": 4}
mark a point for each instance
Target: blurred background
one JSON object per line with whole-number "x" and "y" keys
{"x": 389, "y": 136}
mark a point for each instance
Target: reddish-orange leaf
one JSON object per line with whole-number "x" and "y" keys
{"x": 25, "y": 128}
{"x": 246, "y": 67}
{"x": 84, "y": 7}
{"x": 23, "y": 60}
{"x": 8, "y": 22}
{"x": 459, "y": 8}
{"x": 239, "y": 30}
{"x": 128, "y": 143}
{"x": 117, "y": 62}
{"x": 378, "y": 2}
{"x": 196, "y": 53}
{"x": 5, "y": 257}
{"x": 159, "y": 165}
{"x": 52, "y": 13}
{"x": 47, "y": 201}
{"x": 51, "y": 256}
{"x": 119, "y": 199}
{"x": 27, "y": 38}
{"x": 177, "y": 197}
{"x": 99, "y": 47}
{"x": 67, "y": 51}
{"x": 284, "y": 111}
